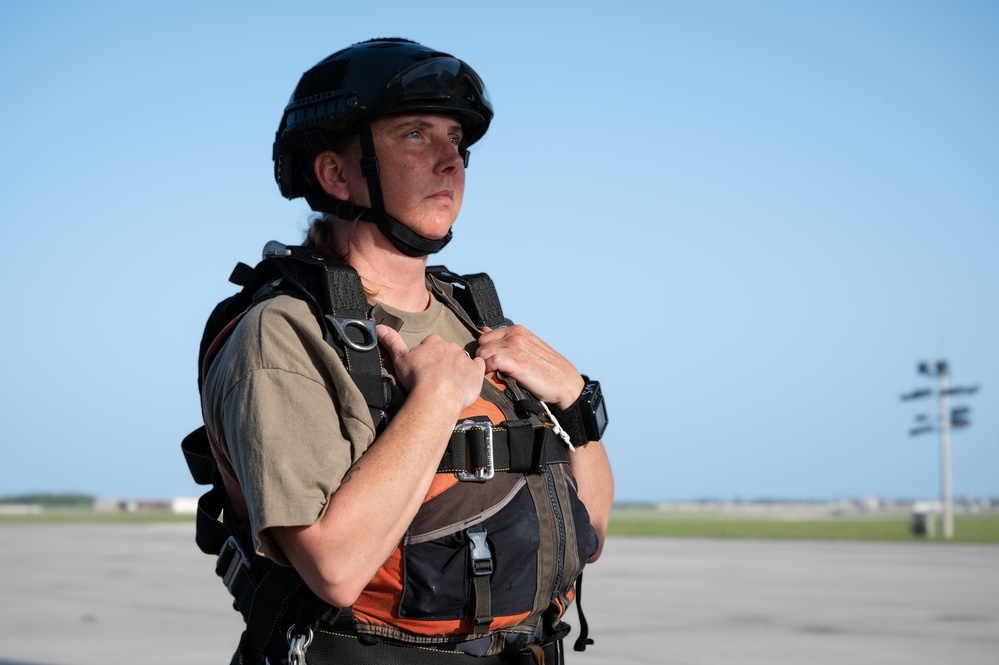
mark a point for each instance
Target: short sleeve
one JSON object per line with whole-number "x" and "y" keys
{"x": 286, "y": 415}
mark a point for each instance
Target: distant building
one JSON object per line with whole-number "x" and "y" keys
{"x": 184, "y": 505}
{"x": 20, "y": 509}
{"x": 176, "y": 506}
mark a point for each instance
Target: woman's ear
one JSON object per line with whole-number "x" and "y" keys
{"x": 331, "y": 176}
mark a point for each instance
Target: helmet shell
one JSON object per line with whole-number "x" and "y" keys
{"x": 354, "y": 87}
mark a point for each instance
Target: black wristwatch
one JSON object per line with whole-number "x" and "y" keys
{"x": 586, "y": 420}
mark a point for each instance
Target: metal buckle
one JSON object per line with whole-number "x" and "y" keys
{"x": 275, "y": 248}
{"x": 237, "y": 559}
{"x": 297, "y": 645}
{"x": 480, "y": 474}
{"x": 365, "y": 326}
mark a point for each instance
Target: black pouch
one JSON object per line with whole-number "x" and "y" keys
{"x": 436, "y": 566}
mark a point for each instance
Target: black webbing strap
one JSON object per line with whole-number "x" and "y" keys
{"x": 369, "y": 168}
{"x": 348, "y": 312}
{"x": 264, "y": 593}
{"x": 480, "y": 569}
{"x": 571, "y": 423}
{"x": 343, "y": 291}
{"x": 211, "y": 532}
{"x": 583, "y": 640}
{"x": 198, "y": 453}
{"x": 343, "y": 308}
{"x": 476, "y": 293}
{"x": 330, "y": 648}
{"x": 517, "y": 445}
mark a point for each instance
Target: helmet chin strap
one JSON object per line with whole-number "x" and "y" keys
{"x": 404, "y": 238}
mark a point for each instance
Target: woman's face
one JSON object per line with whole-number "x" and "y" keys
{"x": 421, "y": 172}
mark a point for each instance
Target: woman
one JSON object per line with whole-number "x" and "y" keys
{"x": 376, "y": 138}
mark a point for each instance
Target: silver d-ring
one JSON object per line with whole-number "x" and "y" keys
{"x": 366, "y": 327}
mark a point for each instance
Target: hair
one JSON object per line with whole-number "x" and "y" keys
{"x": 322, "y": 236}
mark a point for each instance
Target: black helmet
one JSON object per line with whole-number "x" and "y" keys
{"x": 342, "y": 95}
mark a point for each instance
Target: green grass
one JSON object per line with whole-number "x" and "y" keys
{"x": 967, "y": 528}
{"x": 654, "y": 524}
{"x": 90, "y": 517}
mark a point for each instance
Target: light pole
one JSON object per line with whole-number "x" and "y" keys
{"x": 938, "y": 369}
{"x": 945, "y": 487}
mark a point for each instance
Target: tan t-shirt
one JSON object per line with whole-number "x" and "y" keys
{"x": 287, "y": 415}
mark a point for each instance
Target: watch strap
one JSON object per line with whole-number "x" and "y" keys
{"x": 571, "y": 421}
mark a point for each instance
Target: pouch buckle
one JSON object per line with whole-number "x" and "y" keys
{"x": 479, "y": 474}
{"x": 479, "y": 554}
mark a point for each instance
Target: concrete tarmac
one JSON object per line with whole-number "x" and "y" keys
{"x": 117, "y": 594}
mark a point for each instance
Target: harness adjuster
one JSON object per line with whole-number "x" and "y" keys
{"x": 479, "y": 435}
{"x": 367, "y": 329}
{"x": 231, "y": 559}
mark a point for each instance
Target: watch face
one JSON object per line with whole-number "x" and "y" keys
{"x": 600, "y": 414}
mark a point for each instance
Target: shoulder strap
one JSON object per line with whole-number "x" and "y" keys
{"x": 336, "y": 295}
{"x": 476, "y": 293}
{"x": 333, "y": 291}
{"x": 474, "y": 299}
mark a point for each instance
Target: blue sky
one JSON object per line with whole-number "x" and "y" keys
{"x": 748, "y": 220}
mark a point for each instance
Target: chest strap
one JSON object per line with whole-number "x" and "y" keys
{"x": 477, "y": 448}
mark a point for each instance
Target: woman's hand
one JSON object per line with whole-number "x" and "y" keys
{"x": 435, "y": 365}
{"x": 520, "y": 354}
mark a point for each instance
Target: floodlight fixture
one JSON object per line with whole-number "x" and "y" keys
{"x": 962, "y": 390}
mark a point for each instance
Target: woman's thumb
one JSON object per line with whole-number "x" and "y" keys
{"x": 391, "y": 340}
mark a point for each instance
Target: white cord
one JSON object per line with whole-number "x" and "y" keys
{"x": 558, "y": 429}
